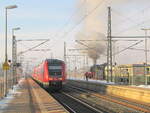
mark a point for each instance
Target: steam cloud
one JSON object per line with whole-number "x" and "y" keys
{"x": 91, "y": 31}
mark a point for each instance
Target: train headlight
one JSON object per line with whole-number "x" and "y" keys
{"x": 60, "y": 78}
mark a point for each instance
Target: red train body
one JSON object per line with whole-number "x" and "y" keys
{"x": 51, "y": 73}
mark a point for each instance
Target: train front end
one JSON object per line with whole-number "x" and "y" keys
{"x": 56, "y": 72}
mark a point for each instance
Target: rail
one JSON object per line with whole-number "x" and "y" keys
{"x": 135, "y": 105}
{"x": 74, "y": 104}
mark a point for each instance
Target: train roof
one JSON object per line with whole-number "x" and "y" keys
{"x": 134, "y": 65}
{"x": 54, "y": 60}
{"x": 99, "y": 65}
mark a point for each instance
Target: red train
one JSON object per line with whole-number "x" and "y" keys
{"x": 51, "y": 73}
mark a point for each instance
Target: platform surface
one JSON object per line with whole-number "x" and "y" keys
{"x": 29, "y": 97}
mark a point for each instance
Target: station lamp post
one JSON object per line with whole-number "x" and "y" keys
{"x": 15, "y": 29}
{"x": 14, "y": 56}
{"x": 6, "y": 57}
{"x": 6, "y": 8}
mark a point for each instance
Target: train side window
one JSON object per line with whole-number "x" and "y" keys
{"x": 121, "y": 80}
{"x": 147, "y": 70}
{"x": 43, "y": 71}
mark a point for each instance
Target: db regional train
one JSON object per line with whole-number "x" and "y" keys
{"x": 51, "y": 74}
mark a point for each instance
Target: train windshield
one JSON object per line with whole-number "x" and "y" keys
{"x": 55, "y": 70}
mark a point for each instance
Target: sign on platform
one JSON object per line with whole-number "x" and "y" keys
{"x": 6, "y": 66}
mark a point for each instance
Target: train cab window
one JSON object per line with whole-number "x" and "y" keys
{"x": 55, "y": 70}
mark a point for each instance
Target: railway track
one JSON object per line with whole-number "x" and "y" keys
{"x": 74, "y": 104}
{"x": 131, "y": 104}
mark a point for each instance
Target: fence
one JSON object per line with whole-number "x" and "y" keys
{"x": 10, "y": 83}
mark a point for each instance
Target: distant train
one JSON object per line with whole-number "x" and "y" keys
{"x": 136, "y": 74}
{"x": 51, "y": 74}
{"x": 98, "y": 71}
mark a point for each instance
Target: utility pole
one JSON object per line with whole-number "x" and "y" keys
{"x": 75, "y": 69}
{"x": 145, "y": 44}
{"x": 68, "y": 69}
{"x": 14, "y": 58}
{"x": 65, "y": 52}
{"x": 109, "y": 48}
{"x": 51, "y": 55}
{"x": 114, "y": 51}
{"x": 84, "y": 63}
{"x": 27, "y": 69}
{"x": 87, "y": 62}
{"x": 145, "y": 71}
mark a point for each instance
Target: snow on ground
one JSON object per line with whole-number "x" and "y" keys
{"x": 4, "y": 102}
{"x": 92, "y": 81}
{"x": 105, "y": 82}
{"x": 143, "y": 86}
{"x": 10, "y": 96}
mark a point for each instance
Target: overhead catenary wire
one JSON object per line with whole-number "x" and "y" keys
{"x": 129, "y": 18}
{"x": 82, "y": 19}
{"x": 124, "y": 17}
{"x": 33, "y": 40}
{"x": 137, "y": 24}
{"x": 41, "y": 50}
{"x": 128, "y": 47}
{"x": 132, "y": 27}
{"x": 114, "y": 53}
{"x": 67, "y": 22}
{"x": 34, "y": 47}
{"x": 138, "y": 49}
{"x": 94, "y": 49}
{"x": 59, "y": 30}
{"x": 28, "y": 40}
{"x": 84, "y": 44}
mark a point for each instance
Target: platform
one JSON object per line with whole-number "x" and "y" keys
{"x": 29, "y": 97}
{"x": 130, "y": 92}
